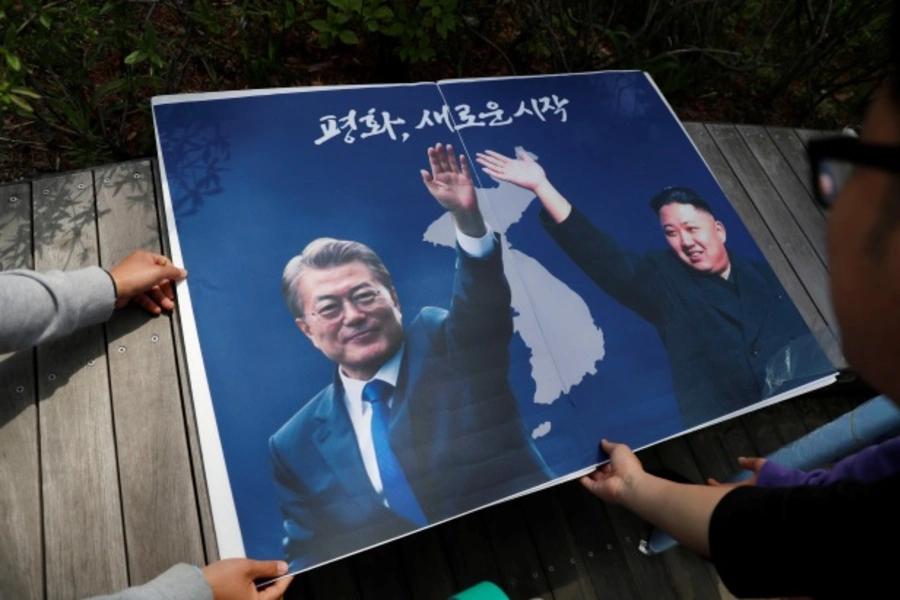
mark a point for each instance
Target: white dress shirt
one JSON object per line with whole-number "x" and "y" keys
{"x": 360, "y": 411}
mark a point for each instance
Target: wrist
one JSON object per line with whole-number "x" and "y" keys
{"x": 470, "y": 222}
{"x": 114, "y": 284}
{"x": 634, "y": 488}
{"x": 543, "y": 187}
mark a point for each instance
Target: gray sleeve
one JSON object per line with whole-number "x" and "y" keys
{"x": 36, "y": 307}
{"x": 181, "y": 582}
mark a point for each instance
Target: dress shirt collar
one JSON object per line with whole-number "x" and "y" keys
{"x": 389, "y": 373}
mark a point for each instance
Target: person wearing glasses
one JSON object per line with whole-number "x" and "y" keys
{"x": 419, "y": 423}
{"x": 831, "y": 541}
{"x": 725, "y": 320}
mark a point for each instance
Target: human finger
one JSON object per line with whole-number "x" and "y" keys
{"x": 451, "y": 159}
{"x": 441, "y": 152}
{"x": 497, "y": 156}
{"x": 435, "y": 162}
{"x": 157, "y": 296}
{"x": 147, "y": 304}
{"x": 276, "y": 590}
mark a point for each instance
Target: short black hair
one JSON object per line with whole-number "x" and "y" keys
{"x": 679, "y": 195}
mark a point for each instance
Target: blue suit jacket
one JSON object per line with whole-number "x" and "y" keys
{"x": 455, "y": 428}
{"x": 730, "y": 343}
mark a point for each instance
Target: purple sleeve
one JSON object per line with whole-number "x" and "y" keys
{"x": 773, "y": 474}
{"x": 868, "y": 465}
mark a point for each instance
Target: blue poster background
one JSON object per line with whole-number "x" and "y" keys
{"x": 250, "y": 189}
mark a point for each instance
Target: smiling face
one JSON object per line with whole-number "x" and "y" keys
{"x": 360, "y": 340}
{"x": 696, "y": 237}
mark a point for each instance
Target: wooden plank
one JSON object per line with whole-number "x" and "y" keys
{"x": 691, "y": 575}
{"x": 468, "y": 546}
{"x": 788, "y": 424}
{"x": 813, "y": 411}
{"x": 379, "y": 575}
{"x": 160, "y": 510}
{"x": 777, "y": 218}
{"x": 299, "y": 589}
{"x": 763, "y": 432}
{"x": 711, "y": 458}
{"x": 735, "y": 441}
{"x": 555, "y": 545}
{"x": 793, "y": 149}
{"x": 520, "y": 568}
{"x": 596, "y": 542}
{"x": 796, "y": 197}
{"x": 210, "y": 544}
{"x": 334, "y": 580}
{"x": 650, "y": 574}
{"x": 774, "y": 254}
{"x": 83, "y": 534}
{"x": 21, "y": 552}
{"x": 426, "y": 565}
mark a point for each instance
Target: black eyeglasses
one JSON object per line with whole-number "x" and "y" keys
{"x": 832, "y": 161}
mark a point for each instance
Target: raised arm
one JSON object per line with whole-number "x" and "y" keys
{"x": 450, "y": 183}
{"x": 526, "y": 173}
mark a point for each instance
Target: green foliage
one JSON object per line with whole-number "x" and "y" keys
{"x": 83, "y": 71}
{"x": 414, "y": 29}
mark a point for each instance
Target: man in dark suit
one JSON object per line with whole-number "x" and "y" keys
{"x": 419, "y": 423}
{"x": 733, "y": 336}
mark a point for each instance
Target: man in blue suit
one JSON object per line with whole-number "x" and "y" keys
{"x": 732, "y": 334}
{"x": 419, "y": 424}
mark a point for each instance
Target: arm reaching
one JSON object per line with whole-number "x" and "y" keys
{"x": 526, "y": 173}
{"x": 231, "y": 579}
{"x": 450, "y": 183}
{"x": 234, "y": 579}
{"x": 38, "y": 307}
{"x": 682, "y": 510}
{"x": 754, "y": 465}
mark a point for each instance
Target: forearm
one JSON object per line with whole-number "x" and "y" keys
{"x": 180, "y": 581}
{"x": 42, "y": 306}
{"x": 554, "y": 203}
{"x": 683, "y": 511}
{"x": 470, "y": 222}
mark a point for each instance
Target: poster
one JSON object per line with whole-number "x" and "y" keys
{"x": 508, "y": 338}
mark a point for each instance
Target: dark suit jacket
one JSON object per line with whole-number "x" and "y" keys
{"x": 455, "y": 428}
{"x": 730, "y": 343}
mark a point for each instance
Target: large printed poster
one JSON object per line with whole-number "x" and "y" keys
{"x": 408, "y": 302}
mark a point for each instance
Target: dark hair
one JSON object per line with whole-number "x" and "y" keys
{"x": 679, "y": 195}
{"x": 326, "y": 253}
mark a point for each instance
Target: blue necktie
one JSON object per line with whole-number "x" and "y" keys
{"x": 397, "y": 491}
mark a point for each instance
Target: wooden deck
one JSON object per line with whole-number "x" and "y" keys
{"x": 101, "y": 480}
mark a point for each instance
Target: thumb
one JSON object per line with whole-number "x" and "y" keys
{"x": 588, "y": 483}
{"x": 751, "y": 464}
{"x": 258, "y": 569}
